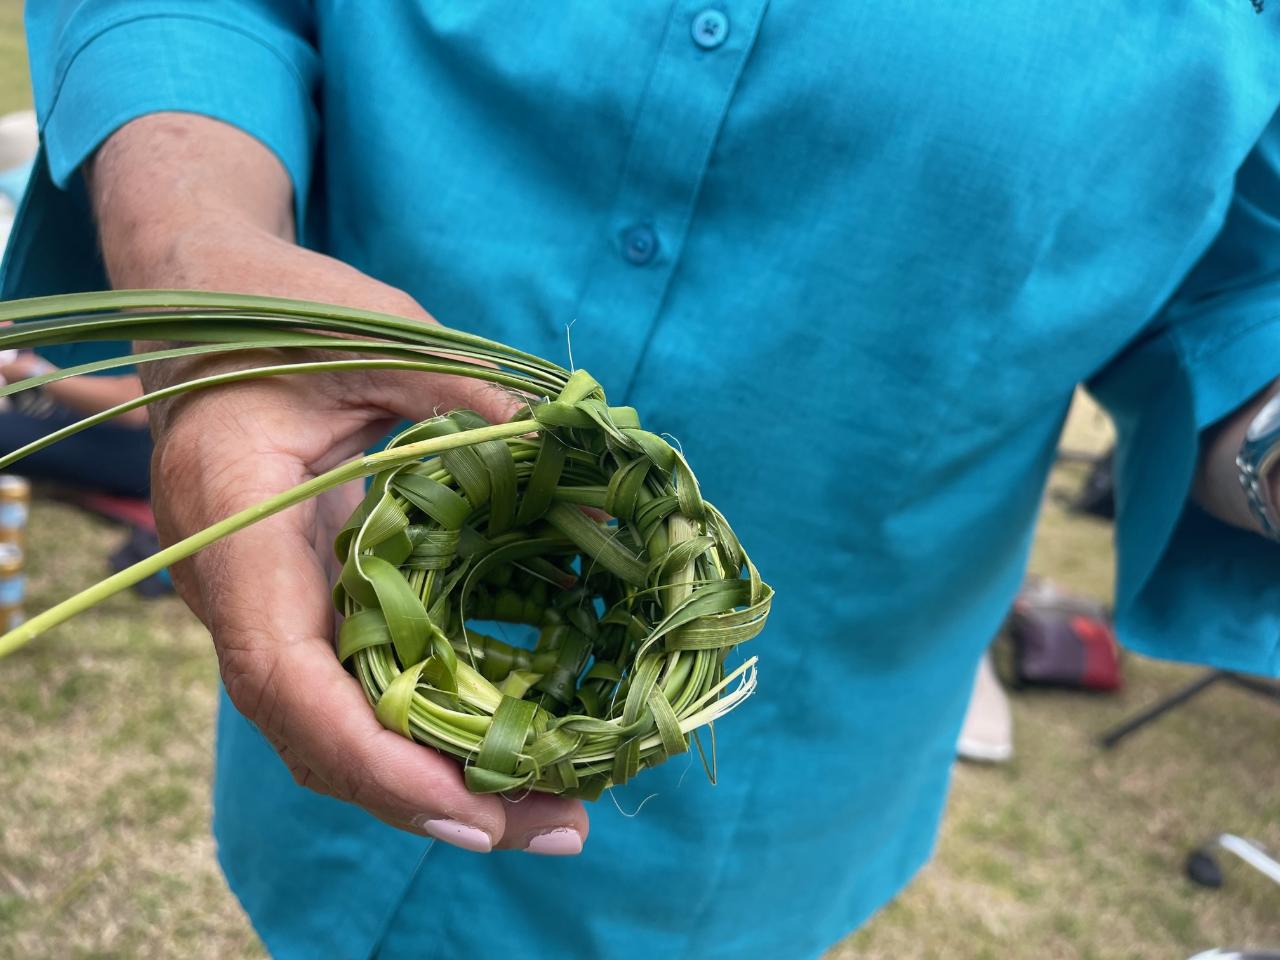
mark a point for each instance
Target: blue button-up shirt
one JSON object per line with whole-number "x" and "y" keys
{"x": 854, "y": 259}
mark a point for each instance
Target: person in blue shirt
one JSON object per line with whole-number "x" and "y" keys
{"x": 855, "y": 260}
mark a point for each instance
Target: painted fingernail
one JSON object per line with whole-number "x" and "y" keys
{"x": 560, "y": 842}
{"x": 458, "y": 834}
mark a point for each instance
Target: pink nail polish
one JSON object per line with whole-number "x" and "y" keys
{"x": 561, "y": 842}
{"x": 458, "y": 834}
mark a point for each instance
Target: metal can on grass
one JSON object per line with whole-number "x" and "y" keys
{"x": 15, "y": 504}
{"x": 13, "y": 586}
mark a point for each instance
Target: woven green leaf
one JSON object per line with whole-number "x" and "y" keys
{"x": 636, "y": 616}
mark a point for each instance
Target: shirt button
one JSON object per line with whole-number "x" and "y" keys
{"x": 710, "y": 29}
{"x": 639, "y": 244}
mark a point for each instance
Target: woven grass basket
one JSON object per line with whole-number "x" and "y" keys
{"x": 571, "y": 520}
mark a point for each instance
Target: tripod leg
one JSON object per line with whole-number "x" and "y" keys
{"x": 1122, "y": 730}
{"x": 1266, "y": 688}
{"x": 1252, "y": 854}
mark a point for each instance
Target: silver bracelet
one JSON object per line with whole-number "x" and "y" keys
{"x": 1258, "y": 455}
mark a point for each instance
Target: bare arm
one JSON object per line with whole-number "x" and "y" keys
{"x": 94, "y": 394}
{"x": 85, "y": 395}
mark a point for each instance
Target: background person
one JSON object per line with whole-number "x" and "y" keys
{"x": 112, "y": 458}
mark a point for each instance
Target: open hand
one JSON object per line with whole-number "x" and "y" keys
{"x": 264, "y": 592}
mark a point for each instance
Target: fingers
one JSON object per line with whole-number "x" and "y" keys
{"x": 266, "y": 603}
{"x": 416, "y": 396}
{"x": 543, "y": 824}
{"x": 264, "y": 594}
{"x": 494, "y": 403}
{"x": 279, "y": 668}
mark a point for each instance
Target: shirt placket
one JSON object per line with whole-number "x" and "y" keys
{"x": 694, "y": 77}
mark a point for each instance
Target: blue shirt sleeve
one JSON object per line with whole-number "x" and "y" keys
{"x": 97, "y": 64}
{"x": 1189, "y": 587}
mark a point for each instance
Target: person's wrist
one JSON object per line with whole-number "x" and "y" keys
{"x": 1258, "y": 462}
{"x": 24, "y": 366}
{"x": 179, "y": 252}
{"x": 32, "y": 365}
{"x": 165, "y": 186}
{"x": 1218, "y": 489}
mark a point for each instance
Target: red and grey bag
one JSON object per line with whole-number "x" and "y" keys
{"x": 1062, "y": 641}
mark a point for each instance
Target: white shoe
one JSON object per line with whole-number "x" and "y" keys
{"x": 19, "y": 141}
{"x": 7, "y": 212}
{"x": 987, "y": 734}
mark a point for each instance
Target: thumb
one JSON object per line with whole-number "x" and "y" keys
{"x": 417, "y": 396}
